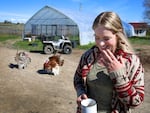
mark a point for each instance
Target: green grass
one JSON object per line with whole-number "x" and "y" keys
{"x": 30, "y": 46}
{"x": 85, "y": 46}
{"x": 38, "y": 46}
{"x": 133, "y": 40}
{"x": 20, "y": 44}
{"x": 4, "y": 38}
{"x": 140, "y": 40}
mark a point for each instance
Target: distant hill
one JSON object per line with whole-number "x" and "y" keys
{"x": 11, "y": 28}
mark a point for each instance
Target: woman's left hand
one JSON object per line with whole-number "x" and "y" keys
{"x": 110, "y": 61}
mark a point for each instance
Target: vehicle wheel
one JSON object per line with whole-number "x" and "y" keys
{"x": 67, "y": 49}
{"x": 48, "y": 49}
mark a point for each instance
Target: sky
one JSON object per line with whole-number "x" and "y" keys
{"x": 85, "y": 10}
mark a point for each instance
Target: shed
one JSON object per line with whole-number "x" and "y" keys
{"x": 140, "y": 28}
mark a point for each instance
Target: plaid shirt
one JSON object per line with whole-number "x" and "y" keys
{"x": 128, "y": 91}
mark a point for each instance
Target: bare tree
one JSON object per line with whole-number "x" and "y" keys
{"x": 146, "y": 4}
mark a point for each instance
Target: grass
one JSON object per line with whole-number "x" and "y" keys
{"x": 30, "y": 46}
{"x": 38, "y": 46}
{"x": 4, "y": 37}
{"x": 11, "y": 28}
{"x": 85, "y": 46}
{"x": 20, "y": 44}
{"x": 140, "y": 40}
{"x": 132, "y": 40}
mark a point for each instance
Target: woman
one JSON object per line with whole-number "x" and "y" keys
{"x": 110, "y": 72}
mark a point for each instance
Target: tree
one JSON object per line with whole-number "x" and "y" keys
{"x": 7, "y": 22}
{"x": 146, "y": 4}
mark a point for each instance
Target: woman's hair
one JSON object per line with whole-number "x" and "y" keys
{"x": 112, "y": 21}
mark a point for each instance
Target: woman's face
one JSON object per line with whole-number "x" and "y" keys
{"x": 105, "y": 39}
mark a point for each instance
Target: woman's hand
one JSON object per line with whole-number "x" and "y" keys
{"x": 80, "y": 98}
{"x": 110, "y": 61}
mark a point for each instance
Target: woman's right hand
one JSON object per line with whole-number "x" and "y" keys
{"x": 80, "y": 98}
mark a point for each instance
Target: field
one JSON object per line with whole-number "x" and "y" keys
{"x": 11, "y": 28}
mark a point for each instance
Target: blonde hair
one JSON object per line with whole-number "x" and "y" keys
{"x": 112, "y": 21}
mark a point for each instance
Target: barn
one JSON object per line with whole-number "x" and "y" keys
{"x": 51, "y": 22}
{"x": 140, "y": 28}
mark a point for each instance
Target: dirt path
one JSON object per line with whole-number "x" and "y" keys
{"x": 27, "y": 91}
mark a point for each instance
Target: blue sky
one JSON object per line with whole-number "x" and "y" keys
{"x": 22, "y": 10}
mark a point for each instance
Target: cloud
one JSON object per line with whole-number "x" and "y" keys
{"x": 13, "y": 17}
{"x": 16, "y": 20}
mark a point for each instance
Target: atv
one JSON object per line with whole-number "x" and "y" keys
{"x": 55, "y": 44}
